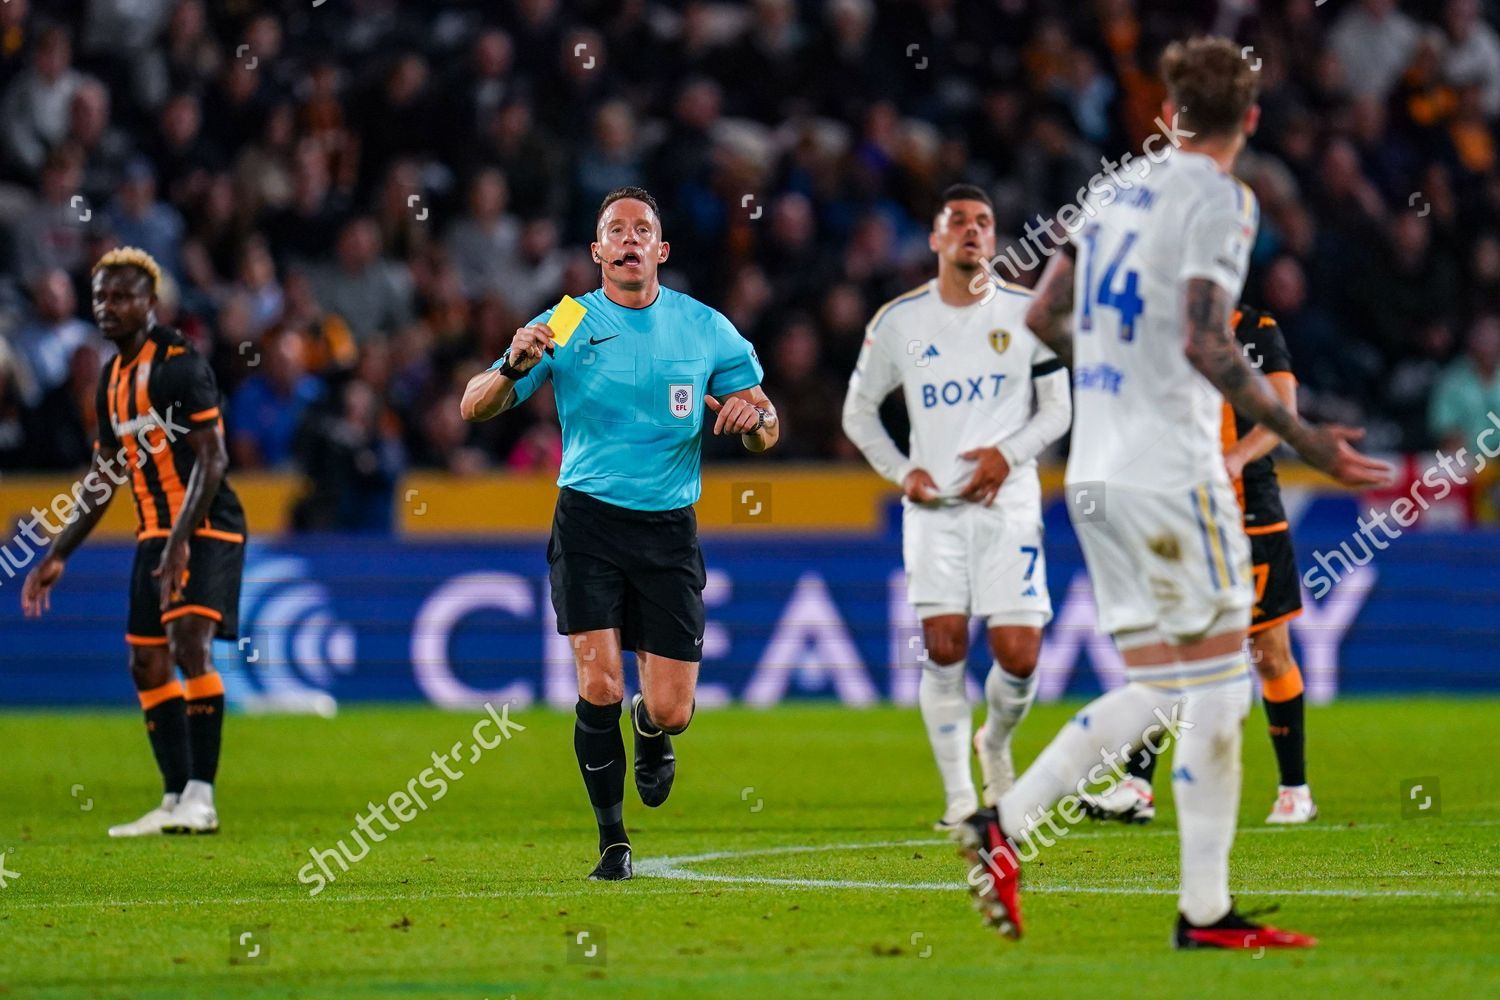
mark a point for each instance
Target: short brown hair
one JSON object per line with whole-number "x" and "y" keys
{"x": 1210, "y": 83}
{"x": 620, "y": 194}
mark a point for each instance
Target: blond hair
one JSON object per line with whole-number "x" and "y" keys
{"x": 132, "y": 257}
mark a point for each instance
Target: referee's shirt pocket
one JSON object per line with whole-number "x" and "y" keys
{"x": 676, "y": 389}
{"x": 608, "y": 384}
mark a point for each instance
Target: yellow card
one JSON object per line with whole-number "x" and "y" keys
{"x": 565, "y": 319}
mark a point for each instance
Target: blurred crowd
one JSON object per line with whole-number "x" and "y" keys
{"x": 357, "y": 203}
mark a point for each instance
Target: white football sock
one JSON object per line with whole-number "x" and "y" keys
{"x": 945, "y": 711}
{"x": 1095, "y": 740}
{"x": 1009, "y": 698}
{"x": 1206, "y": 788}
{"x": 198, "y": 791}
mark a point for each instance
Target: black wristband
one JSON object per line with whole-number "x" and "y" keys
{"x": 509, "y": 370}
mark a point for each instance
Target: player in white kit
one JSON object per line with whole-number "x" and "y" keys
{"x": 1142, "y": 315}
{"x": 984, "y": 397}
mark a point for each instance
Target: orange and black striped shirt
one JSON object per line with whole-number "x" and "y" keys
{"x": 147, "y": 407}
{"x": 1259, "y": 491}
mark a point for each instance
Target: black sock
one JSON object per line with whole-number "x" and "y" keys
{"x": 205, "y": 724}
{"x": 166, "y": 725}
{"x": 1288, "y": 738}
{"x": 601, "y": 759}
{"x": 1142, "y": 764}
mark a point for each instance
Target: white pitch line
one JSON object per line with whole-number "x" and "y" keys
{"x": 673, "y": 868}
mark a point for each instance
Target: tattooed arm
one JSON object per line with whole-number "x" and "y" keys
{"x": 1213, "y": 351}
{"x": 1051, "y": 313}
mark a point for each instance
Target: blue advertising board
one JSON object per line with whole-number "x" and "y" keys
{"x": 457, "y": 623}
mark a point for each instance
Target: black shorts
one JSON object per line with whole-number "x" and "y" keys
{"x": 635, "y": 570}
{"x": 215, "y": 567}
{"x": 1278, "y": 595}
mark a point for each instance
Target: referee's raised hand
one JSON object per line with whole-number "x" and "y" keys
{"x": 491, "y": 391}
{"x": 528, "y": 344}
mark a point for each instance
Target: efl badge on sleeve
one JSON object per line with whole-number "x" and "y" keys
{"x": 680, "y": 397}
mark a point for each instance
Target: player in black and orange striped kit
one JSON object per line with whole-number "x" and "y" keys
{"x": 160, "y": 434}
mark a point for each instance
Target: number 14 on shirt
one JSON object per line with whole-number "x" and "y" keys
{"x": 1126, "y": 300}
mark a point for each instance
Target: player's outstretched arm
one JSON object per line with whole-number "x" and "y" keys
{"x": 748, "y": 413}
{"x": 1051, "y": 314}
{"x": 36, "y": 591}
{"x": 492, "y": 392}
{"x": 1212, "y": 349}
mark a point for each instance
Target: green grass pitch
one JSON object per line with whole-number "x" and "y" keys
{"x": 823, "y": 877}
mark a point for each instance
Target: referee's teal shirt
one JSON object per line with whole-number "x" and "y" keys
{"x": 629, "y": 386}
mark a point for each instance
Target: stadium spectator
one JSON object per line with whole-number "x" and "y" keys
{"x": 352, "y": 459}
{"x": 1373, "y": 41}
{"x": 139, "y": 219}
{"x": 50, "y": 373}
{"x": 34, "y": 111}
{"x": 106, "y": 149}
{"x": 371, "y": 294}
{"x": 529, "y": 156}
{"x": 814, "y": 417}
{"x": 45, "y": 342}
{"x": 50, "y": 234}
{"x": 483, "y": 242}
{"x": 191, "y": 55}
{"x": 1473, "y": 53}
{"x": 183, "y": 156}
{"x": 478, "y": 90}
{"x": 611, "y": 160}
{"x": 267, "y": 410}
{"x": 399, "y": 120}
{"x": 304, "y": 231}
{"x": 263, "y": 170}
{"x": 1466, "y": 399}
{"x": 255, "y": 278}
{"x": 534, "y": 281}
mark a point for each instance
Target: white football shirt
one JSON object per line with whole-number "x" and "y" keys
{"x": 965, "y": 372}
{"x": 1143, "y": 417}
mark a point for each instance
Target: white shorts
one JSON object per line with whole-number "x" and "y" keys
{"x": 1169, "y": 561}
{"x": 974, "y": 560}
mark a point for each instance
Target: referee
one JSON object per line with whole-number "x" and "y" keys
{"x": 626, "y": 569}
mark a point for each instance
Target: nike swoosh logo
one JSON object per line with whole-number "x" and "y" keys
{"x": 698, "y": 641}
{"x": 599, "y": 768}
{"x": 596, "y": 341}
